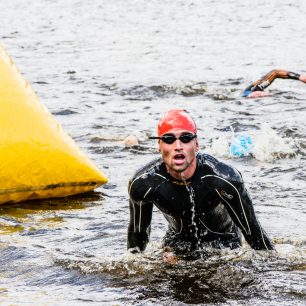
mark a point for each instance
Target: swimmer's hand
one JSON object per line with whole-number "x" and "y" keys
{"x": 302, "y": 78}
{"x": 169, "y": 257}
{"x": 258, "y": 94}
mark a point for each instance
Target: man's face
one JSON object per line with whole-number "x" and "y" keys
{"x": 179, "y": 157}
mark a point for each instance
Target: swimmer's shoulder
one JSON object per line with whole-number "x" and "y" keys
{"x": 220, "y": 169}
{"x": 154, "y": 166}
{"x": 146, "y": 177}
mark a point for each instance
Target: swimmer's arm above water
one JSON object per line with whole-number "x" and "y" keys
{"x": 139, "y": 226}
{"x": 241, "y": 209}
{"x": 256, "y": 89}
{"x": 139, "y": 230}
{"x": 234, "y": 196}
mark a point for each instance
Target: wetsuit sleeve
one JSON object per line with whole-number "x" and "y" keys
{"x": 229, "y": 185}
{"x": 240, "y": 207}
{"x": 268, "y": 79}
{"x": 141, "y": 207}
{"x": 140, "y": 225}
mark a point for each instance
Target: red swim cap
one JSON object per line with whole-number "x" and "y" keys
{"x": 176, "y": 119}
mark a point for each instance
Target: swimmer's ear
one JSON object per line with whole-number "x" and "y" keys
{"x": 197, "y": 145}
{"x": 159, "y": 150}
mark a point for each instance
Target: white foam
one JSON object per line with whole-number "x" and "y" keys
{"x": 268, "y": 145}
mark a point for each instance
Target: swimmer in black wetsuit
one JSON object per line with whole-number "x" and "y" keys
{"x": 204, "y": 200}
{"x": 256, "y": 89}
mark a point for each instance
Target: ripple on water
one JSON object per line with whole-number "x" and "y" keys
{"x": 121, "y": 84}
{"x": 224, "y": 275}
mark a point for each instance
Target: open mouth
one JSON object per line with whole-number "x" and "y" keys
{"x": 179, "y": 158}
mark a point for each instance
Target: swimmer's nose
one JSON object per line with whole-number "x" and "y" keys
{"x": 178, "y": 144}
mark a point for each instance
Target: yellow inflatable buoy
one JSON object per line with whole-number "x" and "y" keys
{"x": 38, "y": 159}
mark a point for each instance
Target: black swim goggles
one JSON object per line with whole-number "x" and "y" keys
{"x": 170, "y": 138}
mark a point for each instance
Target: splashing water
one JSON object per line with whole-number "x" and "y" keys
{"x": 264, "y": 145}
{"x": 191, "y": 198}
{"x": 103, "y": 90}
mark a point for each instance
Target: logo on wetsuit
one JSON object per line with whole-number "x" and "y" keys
{"x": 227, "y": 195}
{"x": 264, "y": 84}
{"x": 186, "y": 183}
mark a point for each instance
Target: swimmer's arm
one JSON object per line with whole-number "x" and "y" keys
{"x": 229, "y": 185}
{"x": 255, "y": 90}
{"x": 242, "y": 212}
{"x": 259, "y": 85}
{"x": 139, "y": 225}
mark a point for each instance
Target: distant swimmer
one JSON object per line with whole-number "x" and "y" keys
{"x": 204, "y": 200}
{"x": 256, "y": 89}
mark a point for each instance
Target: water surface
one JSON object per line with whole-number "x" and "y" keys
{"x": 109, "y": 69}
